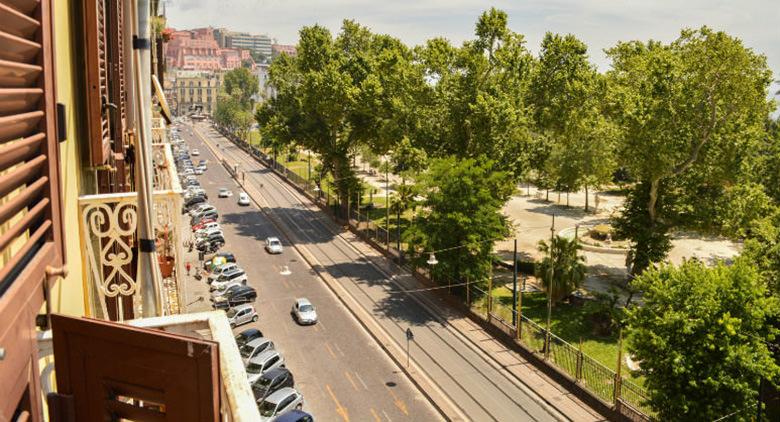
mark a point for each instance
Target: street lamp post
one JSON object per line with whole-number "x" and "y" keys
{"x": 550, "y": 286}
{"x": 387, "y": 203}
{"x": 514, "y": 285}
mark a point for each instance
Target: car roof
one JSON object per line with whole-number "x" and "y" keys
{"x": 258, "y": 341}
{"x": 275, "y": 373}
{"x": 302, "y": 301}
{"x": 232, "y": 270}
{"x": 280, "y": 394}
{"x": 264, "y": 356}
{"x": 243, "y": 306}
{"x": 249, "y": 331}
{"x": 292, "y": 416}
{"x": 272, "y": 238}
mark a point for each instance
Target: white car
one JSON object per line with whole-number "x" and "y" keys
{"x": 195, "y": 152}
{"x": 303, "y": 312}
{"x": 222, "y": 269}
{"x": 209, "y": 233}
{"x": 207, "y": 227}
{"x": 242, "y": 314}
{"x": 198, "y": 171}
{"x": 273, "y": 245}
{"x": 225, "y": 193}
{"x": 202, "y": 210}
{"x": 243, "y": 198}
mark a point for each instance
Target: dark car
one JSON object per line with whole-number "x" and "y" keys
{"x": 209, "y": 246}
{"x": 295, "y": 415}
{"x": 271, "y": 381}
{"x": 235, "y": 295}
{"x": 195, "y": 200}
{"x": 247, "y": 335}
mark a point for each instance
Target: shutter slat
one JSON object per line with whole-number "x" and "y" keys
{"x": 22, "y": 200}
{"x": 16, "y": 152}
{"x": 18, "y": 75}
{"x": 19, "y": 100}
{"x": 18, "y": 126}
{"x": 17, "y": 23}
{"x": 34, "y": 238}
{"x": 17, "y": 49}
{"x": 26, "y": 7}
{"x": 19, "y": 227}
{"x": 21, "y": 175}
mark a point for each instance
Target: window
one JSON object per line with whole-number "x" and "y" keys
{"x": 30, "y": 214}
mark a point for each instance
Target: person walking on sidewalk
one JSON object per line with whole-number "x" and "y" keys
{"x": 188, "y": 266}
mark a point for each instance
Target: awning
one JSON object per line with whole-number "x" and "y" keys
{"x": 158, "y": 91}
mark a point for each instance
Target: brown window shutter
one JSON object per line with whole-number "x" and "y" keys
{"x": 30, "y": 214}
{"x": 96, "y": 52}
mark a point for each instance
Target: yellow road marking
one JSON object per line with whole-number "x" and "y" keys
{"x": 398, "y": 402}
{"x": 341, "y": 410}
{"x": 376, "y": 417}
{"x": 351, "y": 381}
{"x": 330, "y": 350}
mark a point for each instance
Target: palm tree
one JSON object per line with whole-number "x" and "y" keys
{"x": 569, "y": 267}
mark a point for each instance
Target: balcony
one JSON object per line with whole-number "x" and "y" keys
{"x": 237, "y": 403}
{"x": 108, "y": 224}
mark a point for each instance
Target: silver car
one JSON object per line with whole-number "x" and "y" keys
{"x": 279, "y": 403}
{"x": 242, "y": 314}
{"x": 303, "y": 312}
{"x": 255, "y": 347}
{"x": 225, "y": 193}
{"x": 261, "y": 363}
{"x": 273, "y": 245}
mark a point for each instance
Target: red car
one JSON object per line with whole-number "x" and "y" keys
{"x": 201, "y": 224}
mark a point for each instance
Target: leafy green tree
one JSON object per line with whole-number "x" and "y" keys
{"x": 701, "y": 339}
{"x": 242, "y": 84}
{"x": 692, "y": 107}
{"x": 340, "y": 94}
{"x": 474, "y": 104}
{"x": 461, "y": 213}
{"x": 768, "y": 160}
{"x": 562, "y": 255}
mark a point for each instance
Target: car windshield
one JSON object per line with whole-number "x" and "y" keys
{"x": 307, "y": 308}
{"x": 254, "y": 368}
{"x": 275, "y": 243}
{"x": 267, "y": 409}
{"x": 263, "y": 382}
{"x": 247, "y": 350}
{"x": 231, "y": 313}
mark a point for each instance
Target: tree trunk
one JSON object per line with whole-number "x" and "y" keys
{"x": 651, "y": 203}
{"x": 567, "y": 199}
{"x": 547, "y": 198}
{"x": 586, "y": 198}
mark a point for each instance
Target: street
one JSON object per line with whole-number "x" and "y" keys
{"x": 341, "y": 372}
{"x": 465, "y": 374}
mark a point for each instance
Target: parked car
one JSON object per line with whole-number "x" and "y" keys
{"x": 225, "y": 193}
{"x": 279, "y": 403}
{"x": 235, "y": 276}
{"x": 198, "y": 171}
{"x": 273, "y": 245}
{"x": 262, "y": 363}
{"x": 234, "y": 296}
{"x": 255, "y": 347}
{"x": 194, "y": 212}
{"x": 207, "y": 227}
{"x": 210, "y": 245}
{"x": 247, "y": 335}
{"x": 188, "y": 171}
{"x": 272, "y": 381}
{"x": 218, "y": 259}
{"x": 201, "y": 167}
{"x": 303, "y": 312}
{"x": 203, "y": 223}
{"x": 195, "y": 200}
{"x": 211, "y": 237}
{"x": 295, "y": 415}
{"x": 212, "y": 215}
{"x": 222, "y": 269}
{"x": 195, "y": 152}
{"x": 243, "y": 199}
{"x": 241, "y": 314}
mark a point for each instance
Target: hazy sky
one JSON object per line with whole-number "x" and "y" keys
{"x": 600, "y": 23}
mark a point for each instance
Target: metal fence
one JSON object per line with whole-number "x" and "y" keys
{"x": 589, "y": 373}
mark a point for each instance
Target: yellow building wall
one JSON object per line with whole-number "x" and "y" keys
{"x": 67, "y": 297}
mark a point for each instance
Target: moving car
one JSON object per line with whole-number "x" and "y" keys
{"x": 241, "y": 314}
{"x": 195, "y": 152}
{"x": 263, "y": 363}
{"x": 272, "y": 381}
{"x": 247, "y": 335}
{"x": 233, "y": 296}
{"x": 295, "y": 415}
{"x": 255, "y": 347}
{"x": 225, "y": 193}
{"x": 279, "y": 403}
{"x": 243, "y": 199}
{"x": 273, "y": 245}
{"x": 303, "y": 312}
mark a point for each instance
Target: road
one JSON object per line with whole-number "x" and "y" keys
{"x": 340, "y": 370}
{"x": 481, "y": 391}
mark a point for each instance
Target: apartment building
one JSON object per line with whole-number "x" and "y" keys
{"x": 259, "y": 44}
{"x": 196, "y": 91}
{"x": 89, "y": 200}
{"x": 197, "y": 49}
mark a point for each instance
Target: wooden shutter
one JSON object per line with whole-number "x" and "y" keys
{"x": 111, "y": 371}
{"x": 29, "y": 153}
{"x": 96, "y": 53}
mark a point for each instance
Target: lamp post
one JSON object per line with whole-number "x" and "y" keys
{"x": 550, "y": 286}
{"x": 432, "y": 261}
{"x": 387, "y": 202}
{"x": 514, "y": 285}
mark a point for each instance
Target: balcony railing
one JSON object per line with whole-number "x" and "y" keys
{"x": 108, "y": 225}
{"x": 237, "y": 402}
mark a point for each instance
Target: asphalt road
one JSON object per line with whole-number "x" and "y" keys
{"x": 480, "y": 390}
{"x": 340, "y": 370}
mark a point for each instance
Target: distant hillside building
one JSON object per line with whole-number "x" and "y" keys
{"x": 197, "y": 49}
{"x": 259, "y": 44}
{"x": 277, "y": 49}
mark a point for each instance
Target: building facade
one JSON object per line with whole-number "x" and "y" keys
{"x": 278, "y": 49}
{"x": 195, "y": 92}
{"x": 197, "y": 49}
{"x": 259, "y": 44}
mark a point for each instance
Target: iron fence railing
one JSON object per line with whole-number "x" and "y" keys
{"x": 596, "y": 378}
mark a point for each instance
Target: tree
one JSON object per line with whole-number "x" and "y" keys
{"x": 688, "y": 109}
{"x": 462, "y": 215}
{"x": 474, "y": 104}
{"x": 701, "y": 339}
{"x": 568, "y": 94}
{"x": 568, "y": 266}
{"x": 340, "y": 94}
{"x": 243, "y": 84}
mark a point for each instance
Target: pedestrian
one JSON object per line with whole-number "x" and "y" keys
{"x": 189, "y": 267}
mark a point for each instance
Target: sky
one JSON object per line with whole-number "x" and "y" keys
{"x": 599, "y": 23}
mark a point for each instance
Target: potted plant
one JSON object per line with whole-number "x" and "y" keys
{"x": 165, "y": 256}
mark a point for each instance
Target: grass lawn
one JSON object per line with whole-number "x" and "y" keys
{"x": 254, "y": 138}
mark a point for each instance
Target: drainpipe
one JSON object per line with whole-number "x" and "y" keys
{"x": 148, "y": 268}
